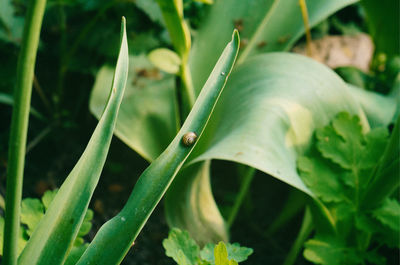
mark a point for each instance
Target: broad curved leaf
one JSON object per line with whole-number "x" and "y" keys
{"x": 196, "y": 211}
{"x": 56, "y": 232}
{"x": 265, "y": 119}
{"x": 266, "y": 25}
{"x": 268, "y": 113}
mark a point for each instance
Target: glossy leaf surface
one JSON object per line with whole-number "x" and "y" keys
{"x": 155, "y": 180}
{"x": 270, "y": 108}
{"x": 56, "y": 232}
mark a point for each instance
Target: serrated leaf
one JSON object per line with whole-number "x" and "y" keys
{"x": 238, "y": 253}
{"x": 32, "y": 211}
{"x": 207, "y": 253}
{"x": 165, "y": 60}
{"x": 235, "y": 252}
{"x": 344, "y": 143}
{"x": 342, "y": 140}
{"x": 181, "y": 247}
{"x": 321, "y": 177}
{"x": 389, "y": 214}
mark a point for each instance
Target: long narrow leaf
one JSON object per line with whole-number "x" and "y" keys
{"x": 52, "y": 239}
{"x": 155, "y": 180}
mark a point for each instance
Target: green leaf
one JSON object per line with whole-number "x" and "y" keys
{"x": 389, "y": 214}
{"x": 196, "y": 211}
{"x": 48, "y": 197}
{"x": 166, "y": 60}
{"x": 235, "y": 252}
{"x": 32, "y": 211}
{"x": 341, "y": 141}
{"x": 344, "y": 143}
{"x": 11, "y": 26}
{"x": 267, "y": 116}
{"x": 181, "y": 247}
{"x": 321, "y": 177}
{"x": 221, "y": 254}
{"x": 87, "y": 224}
{"x": 382, "y": 20}
{"x": 156, "y": 179}
{"x": 172, "y": 11}
{"x": 75, "y": 253}
{"x": 272, "y": 106}
{"x": 146, "y": 120}
{"x": 329, "y": 251}
{"x": 51, "y": 240}
{"x": 273, "y": 25}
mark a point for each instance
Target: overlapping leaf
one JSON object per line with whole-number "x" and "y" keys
{"x": 271, "y": 107}
{"x": 146, "y": 121}
{"x": 56, "y": 232}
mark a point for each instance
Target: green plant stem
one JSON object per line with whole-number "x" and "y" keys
{"x": 304, "y": 14}
{"x": 172, "y": 12}
{"x": 305, "y": 230}
{"x": 244, "y": 188}
{"x": 19, "y": 128}
{"x": 187, "y": 89}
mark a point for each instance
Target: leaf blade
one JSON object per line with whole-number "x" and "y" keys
{"x": 155, "y": 180}
{"x": 50, "y": 242}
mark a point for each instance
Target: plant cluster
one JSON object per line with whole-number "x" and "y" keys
{"x": 184, "y": 250}
{"x": 341, "y": 169}
{"x": 278, "y": 115}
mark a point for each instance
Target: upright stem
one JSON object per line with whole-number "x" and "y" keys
{"x": 187, "y": 90}
{"x": 244, "y": 188}
{"x": 19, "y": 128}
{"x": 304, "y": 13}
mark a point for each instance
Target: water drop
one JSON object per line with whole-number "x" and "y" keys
{"x": 123, "y": 219}
{"x": 222, "y": 73}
